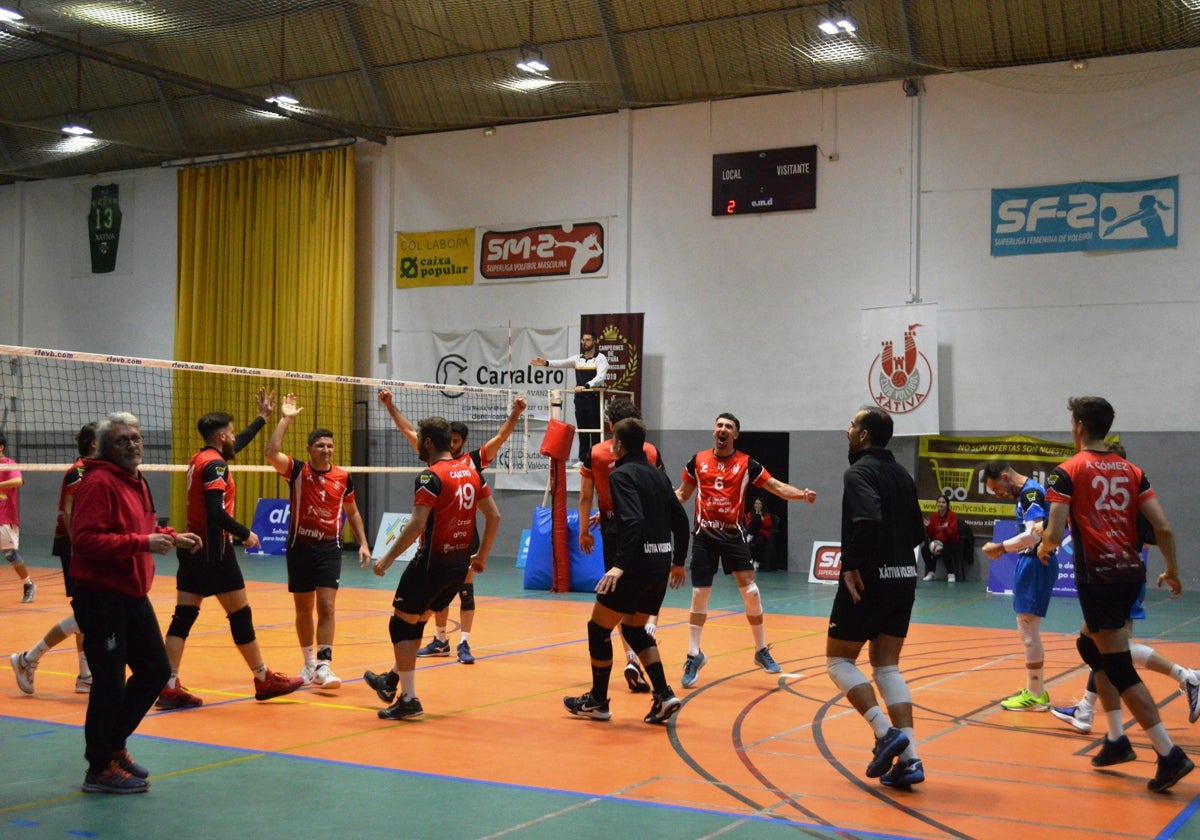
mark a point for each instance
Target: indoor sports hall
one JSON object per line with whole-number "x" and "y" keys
{"x": 967, "y": 212}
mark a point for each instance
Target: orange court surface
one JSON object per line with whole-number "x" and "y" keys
{"x": 748, "y": 755}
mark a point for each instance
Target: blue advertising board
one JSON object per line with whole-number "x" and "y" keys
{"x": 1085, "y": 216}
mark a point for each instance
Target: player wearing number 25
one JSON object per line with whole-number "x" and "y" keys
{"x": 1101, "y": 494}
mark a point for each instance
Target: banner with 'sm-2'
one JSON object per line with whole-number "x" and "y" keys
{"x": 1085, "y": 216}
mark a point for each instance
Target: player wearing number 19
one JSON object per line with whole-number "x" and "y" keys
{"x": 447, "y": 494}
{"x": 1101, "y": 494}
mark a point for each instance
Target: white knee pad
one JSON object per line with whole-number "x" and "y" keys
{"x": 845, "y": 674}
{"x": 1029, "y": 626}
{"x": 69, "y": 626}
{"x": 700, "y": 599}
{"x": 753, "y": 599}
{"x": 1141, "y": 654}
{"x": 892, "y": 686}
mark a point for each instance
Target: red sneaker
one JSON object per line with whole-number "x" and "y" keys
{"x": 275, "y": 685}
{"x": 113, "y": 780}
{"x": 177, "y": 698}
{"x": 125, "y": 761}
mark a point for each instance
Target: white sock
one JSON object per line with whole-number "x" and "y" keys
{"x": 880, "y": 723}
{"x": 260, "y": 673}
{"x": 310, "y": 656}
{"x": 466, "y": 636}
{"x": 442, "y": 635}
{"x": 1116, "y": 726}
{"x": 694, "y": 631}
{"x": 408, "y": 684}
{"x": 84, "y": 670}
{"x": 910, "y": 751}
{"x": 760, "y": 636}
{"x": 35, "y": 653}
{"x": 1160, "y": 739}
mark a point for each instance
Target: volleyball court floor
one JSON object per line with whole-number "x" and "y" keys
{"x": 496, "y": 755}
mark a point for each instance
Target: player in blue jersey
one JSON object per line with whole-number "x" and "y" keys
{"x": 1033, "y": 581}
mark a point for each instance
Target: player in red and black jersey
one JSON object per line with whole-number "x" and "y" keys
{"x": 721, "y": 475}
{"x": 211, "y": 494}
{"x": 447, "y": 494}
{"x": 24, "y": 664}
{"x": 480, "y": 458}
{"x": 1101, "y": 495}
{"x": 320, "y": 493}
{"x": 594, "y": 481}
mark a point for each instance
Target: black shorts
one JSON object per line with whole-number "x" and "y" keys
{"x": 885, "y": 608}
{"x": 62, "y": 550}
{"x": 1106, "y": 606}
{"x": 638, "y": 591}
{"x": 732, "y": 554}
{"x": 198, "y": 575}
{"x": 312, "y": 565}
{"x": 428, "y": 589}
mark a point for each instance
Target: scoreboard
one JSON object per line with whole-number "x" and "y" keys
{"x": 764, "y": 182}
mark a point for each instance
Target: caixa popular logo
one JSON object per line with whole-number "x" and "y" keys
{"x": 566, "y": 250}
{"x": 826, "y": 563}
{"x": 899, "y": 383}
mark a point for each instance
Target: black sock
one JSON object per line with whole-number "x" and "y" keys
{"x": 600, "y": 675}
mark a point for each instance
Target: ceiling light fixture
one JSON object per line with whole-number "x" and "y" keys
{"x": 532, "y": 61}
{"x": 11, "y": 14}
{"x": 837, "y": 22}
{"x": 282, "y": 94}
{"x": 77, "y": 122}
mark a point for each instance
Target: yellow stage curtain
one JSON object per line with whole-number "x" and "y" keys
{"x": 266, "y": 280}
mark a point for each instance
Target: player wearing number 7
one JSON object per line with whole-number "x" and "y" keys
{"x": 1101, "y": 494}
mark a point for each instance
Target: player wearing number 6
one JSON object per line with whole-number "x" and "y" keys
{"x": 721, "y": 475}
{"x": 1101, "y": 494}
{"x": 447, "y": 494}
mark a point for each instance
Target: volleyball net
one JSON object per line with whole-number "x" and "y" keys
{"x": 47, "y": 395}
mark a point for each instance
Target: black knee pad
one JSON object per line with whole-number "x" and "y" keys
{"x": 401, "y": 631}
{"x": 182, "y": 621}
{"x": 599, "y": 642}
{"x": 1118, "y": 667}
{"x": 637, "y": 637}
{"x": 466, "y": 597}
{"x": 1089, "y": 653}
{"x": 241, "y": 623}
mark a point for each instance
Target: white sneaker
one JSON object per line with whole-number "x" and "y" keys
{"x": 23, "y": 670}
{"x": 951, "y": 579}
{"x": 323, "y": 677}
{"x": 83, "y": 685}
{"x": 928, "y": 576}
{"x": 307, "y": 673}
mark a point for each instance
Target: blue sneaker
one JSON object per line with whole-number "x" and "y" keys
{"x": 436, "y": 647}
{"x": 385, "y": 684}
{"x": 763, "y": 657}
{"x": 1190, "y": 687}
{"x": 464, "y": 653}
{"x": 904, "y": 774}
{"x": 886, "y": 749}
{"x": 1079, "y": 716}
{"x": 691, "y": 668}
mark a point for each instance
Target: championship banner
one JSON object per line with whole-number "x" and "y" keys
{"x": 551, "y": 251}
{"x": 435, "y": 258}
{"x": 899, "y": 362}
{"x": 104, "y": 227}
{"x": 620, "y": 339}
{"x": 953, "y": 466}
{"x": 1086, "y": 216}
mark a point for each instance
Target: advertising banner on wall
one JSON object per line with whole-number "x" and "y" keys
{"x": 550, "y": 251}
{"x": 899, "y": 365}
{"x": 1085, "y": 216}
{"x": 953, "y": 466}
{"x": 619, "y": 338}
{"x": 435, "y": 258}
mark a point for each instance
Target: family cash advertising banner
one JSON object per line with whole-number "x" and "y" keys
{"x": 899, "y": 365}
{"x": 1085, "y": 216}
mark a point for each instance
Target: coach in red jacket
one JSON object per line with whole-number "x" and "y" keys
{"x": 114, "y": 530}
